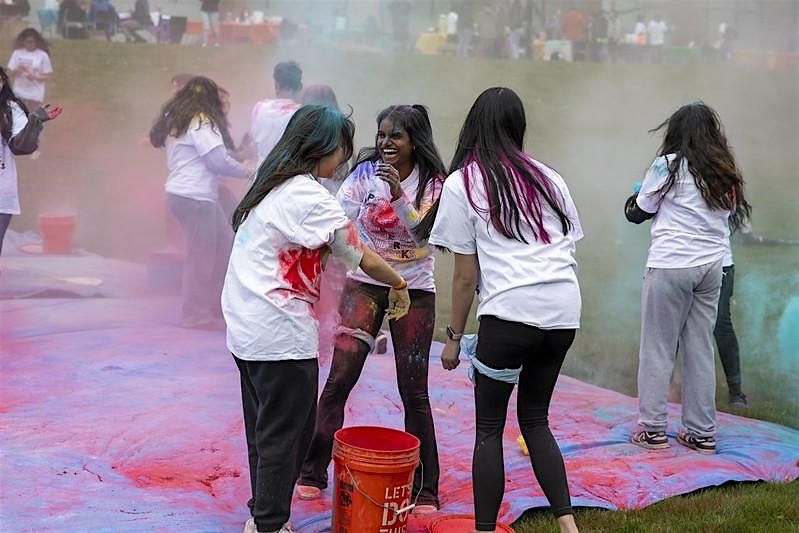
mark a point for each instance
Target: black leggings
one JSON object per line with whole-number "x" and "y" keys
{"x": 540, "y": 354}
{"x": 363, "y": 307}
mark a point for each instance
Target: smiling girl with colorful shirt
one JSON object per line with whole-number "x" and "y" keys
{"x": 388, "y": 193}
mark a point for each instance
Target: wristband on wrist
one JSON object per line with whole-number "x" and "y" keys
{"x": 401, "y": 285}
{"x": 451, "y": 335}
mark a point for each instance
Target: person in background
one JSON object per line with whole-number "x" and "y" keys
{"x": 139, "y": 20}
{"x": 692, "y": 192}
{"x": 724, "y": 331}
{"x": 193, "y": 128}
{"x": 72, "y": 20}
{"x": 19, "y": 135}
{"x": 465, "y": 11}
{"x": 575, "y": 29}
{"x": 517, "y": 215}
{"x": 31, "y": 67}
{"x": 615, "y": 35}
{"x": 270, "y": 117}
{"x": 285, "y": 226}
{"x": 103, "y": 13}
{"x": 391, "y": 188}
{"x": 452, "y": 24}
{"x": 400, "y": 23}
{"x": 210, "y": 15}
{"x": 656, "y": 29}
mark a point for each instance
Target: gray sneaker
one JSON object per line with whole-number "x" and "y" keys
{"x": 738, "y": 400}
{"x": 706, "y": 445}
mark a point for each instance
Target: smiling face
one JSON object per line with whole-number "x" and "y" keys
{"x": 393, "y": 143}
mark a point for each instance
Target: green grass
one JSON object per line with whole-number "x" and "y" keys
{"x": 589, "y": 121}
{"x": 739, "y": 508}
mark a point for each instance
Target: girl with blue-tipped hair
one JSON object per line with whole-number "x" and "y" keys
{"x": 286, "y": 225}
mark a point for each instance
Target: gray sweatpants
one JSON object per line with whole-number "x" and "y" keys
{"x": 678, "y": 312}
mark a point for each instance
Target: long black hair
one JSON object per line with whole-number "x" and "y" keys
{"x": 199, "y": 98}
{"x": 6, "y": 113}
{"x": 313, "y": 132}
{"x": 517, "y": 189}
{"x": 416, "y": 122}
{"x": 695, "y": 135}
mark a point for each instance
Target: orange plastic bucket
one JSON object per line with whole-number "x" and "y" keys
{"x": 459, "y": 524}
{"x": 57, "y": 230}
{"x": 374, "y": 479}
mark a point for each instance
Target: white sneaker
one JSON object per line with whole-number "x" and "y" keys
{"x": 249, "y": 526}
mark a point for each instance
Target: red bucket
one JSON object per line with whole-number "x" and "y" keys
{"x": 374, "y": 479}
{"x": 460, "y": 524}
{"x": 57, "y": 230}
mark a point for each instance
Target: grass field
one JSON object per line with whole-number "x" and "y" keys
{"x": 588, "y": 121}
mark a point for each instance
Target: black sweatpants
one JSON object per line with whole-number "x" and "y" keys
{"x": 540, "y": 353}
{"x": 279, "y": 401}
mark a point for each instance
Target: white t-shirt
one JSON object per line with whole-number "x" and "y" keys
{"x": 685, "y": 231}
{"x": 657, "y": 32}
{"x": 37, "y": 62}
{"x": 269, "y": 121}
{"x": 273, "y": 275}
{"x": 533, "y": 283}
{"x": 384, "y": 225}
{"x": 452, "y": 23}
{"x": 188, "y": 175}
{"x": 9, "y": 196}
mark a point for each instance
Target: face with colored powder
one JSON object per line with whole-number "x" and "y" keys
{"x": 393, "y": 144}
{"x": 326, "y": 167}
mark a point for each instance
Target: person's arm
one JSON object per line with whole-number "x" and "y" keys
{"x": 348, "y": 248}
{"x": 219, "y": 162}
{"x": 464, "y": 284}
{"x": 27, "y": 140}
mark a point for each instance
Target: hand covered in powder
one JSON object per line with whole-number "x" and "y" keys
{"x": 399, "y": 302}
{"x": 45, "y": 113}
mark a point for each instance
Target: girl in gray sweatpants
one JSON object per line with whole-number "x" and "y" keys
{"x": 692, "y": 192}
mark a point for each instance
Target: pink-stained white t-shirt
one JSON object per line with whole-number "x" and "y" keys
{"x": 385, "y": 226}
{"x": 274, "y": 273}
{"x": 269, "y": 121}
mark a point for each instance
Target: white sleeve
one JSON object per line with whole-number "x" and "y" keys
{"x": 453, "y": 229}
{"x": 571, "y": 212}
{"x": 18, "y": 118}
{"x": 317, "y": 226}
{"x": 204, "y": 137}
{"x": 648, "y": 197}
